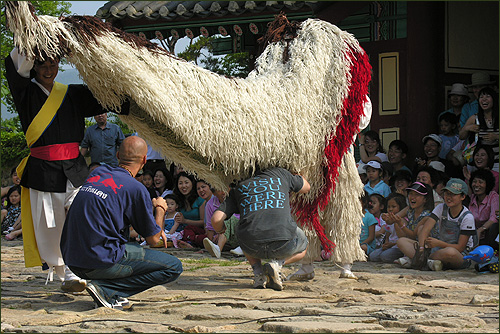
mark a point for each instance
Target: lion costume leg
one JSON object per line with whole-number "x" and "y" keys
{"x": 342, "y": 222}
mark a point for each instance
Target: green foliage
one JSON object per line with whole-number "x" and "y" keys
{"x": 52, "y": 8}
{"x": 13, "y": 148}
{"x": 232, "y": 65}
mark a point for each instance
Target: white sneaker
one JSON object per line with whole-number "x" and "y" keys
{"x": 435, "y": 265}
{"x": 346, "y": 271}
{"x": 273, "y": 272}
{"x": 404, "y": 262}
{"x": 212, "y": 248}
{"x": 237, "y": 251}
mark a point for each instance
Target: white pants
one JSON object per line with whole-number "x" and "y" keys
{"x": 49, "y": 213}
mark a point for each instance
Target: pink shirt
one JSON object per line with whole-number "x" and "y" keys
{"x": 485, "y": 210}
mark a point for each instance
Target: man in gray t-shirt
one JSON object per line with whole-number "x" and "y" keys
{"x": 266, "y": 229}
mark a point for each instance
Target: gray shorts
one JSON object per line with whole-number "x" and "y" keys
{"x": 276, "y": 250}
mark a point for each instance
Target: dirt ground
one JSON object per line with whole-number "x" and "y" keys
{"x": 215, "y": 295}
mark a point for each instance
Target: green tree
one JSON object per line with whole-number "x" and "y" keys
{"x": 52, "y": 8}
{"x": 200, "y": 52}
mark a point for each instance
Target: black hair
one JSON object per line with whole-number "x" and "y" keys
{"x": 485, "y": 175}
{"x": 212, "y": 189}
{"x": 400, "y": 200}
{"x": 365, "y": 200}
{"x": 442, "y": 177}
{"x": 373, "y": 135}
{"x": 432, "y": 173}
{"x": 400, "y": 145}
{"x": 189, "y": 198}
{"x": 169, "y": 184}
{"x": 173, "y": 197}
{"x": 11, "y": 190}
{"x": 13, "y": 170}
{"x": 387, "y": 169}
{"x": 401, "y": 174}
{"x": 381, "y": 200}
{"x": 429, "y": 197}
{"x": 480, "y": 115}
{"x": 148, "y": 172}
{"x": 489, "y": 152}
{"x": 448, "y": 117}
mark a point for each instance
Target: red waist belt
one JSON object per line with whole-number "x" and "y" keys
{"x": 56, "y": 152}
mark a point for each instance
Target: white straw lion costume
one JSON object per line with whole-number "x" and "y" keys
{"x": 299, "y": 109}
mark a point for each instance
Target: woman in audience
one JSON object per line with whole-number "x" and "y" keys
{"x": 482, "y": 158}
{"x": 370, "y": 147}
{"x": 483, "y": 205}
{"x": 192, "y": 209}
{"x": 485, "y": 123}
{"x": 162, "y": 182}
{"x": 429, "y": 175}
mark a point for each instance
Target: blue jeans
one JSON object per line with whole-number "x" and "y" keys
{"x": 275, "y": 250}
{"x": 139, "y": 269}
{"x": 386, "y": 256}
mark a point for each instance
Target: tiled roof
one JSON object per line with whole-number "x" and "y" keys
{"x": 171, "y": 10}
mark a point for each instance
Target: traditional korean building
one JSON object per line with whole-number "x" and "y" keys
{"x": 417, "y": 49}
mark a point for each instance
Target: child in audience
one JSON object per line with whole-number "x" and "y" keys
{"x": 389, "y": 252}
{"x": 421, "y": 204}
{"x": 448, "y": 133}
{"x": 367, "y": 237}
{"x": 457, "y": 231}
{"x": 374, "y": 171}
{"x": 400, "y": 181}
{"x": 173, "y": 230}
{"x": 11, "y": 216}
{"x": 378, "y": 206}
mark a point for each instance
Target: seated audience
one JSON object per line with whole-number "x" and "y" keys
{"x": 483, "y": 205}
{"x": 458, "y": 95}
{"x": 162, "y": 182}
{"x": 370, "y": 147}
{"x": 374, "y": 171}
{"x": 397, "y": 155}
{"x": 456, "y": 234}
{"x": 448, "y": 133}
{"x": 482, "y": 158}
{"x": 483, "y": 127}
{"x": 389, "y": 251}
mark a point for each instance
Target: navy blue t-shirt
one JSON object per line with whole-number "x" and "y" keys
{"x": 98, "y": 221}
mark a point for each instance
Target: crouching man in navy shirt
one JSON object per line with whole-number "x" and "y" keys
{"x": 94, "y": 241}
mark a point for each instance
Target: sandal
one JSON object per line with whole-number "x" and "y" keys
{"x": 300, "y": 277}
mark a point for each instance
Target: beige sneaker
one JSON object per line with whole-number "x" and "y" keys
{"x": 435, "y": 265}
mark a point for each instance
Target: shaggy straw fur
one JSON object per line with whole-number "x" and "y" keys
{"x": 283, "y": 114}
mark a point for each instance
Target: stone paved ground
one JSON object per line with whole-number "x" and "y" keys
{"x": 215, "y": 295}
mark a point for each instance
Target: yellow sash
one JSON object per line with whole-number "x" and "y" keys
{"x": 41, "y": 121}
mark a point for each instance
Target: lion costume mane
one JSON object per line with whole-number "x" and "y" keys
{"x": 299, "y": 109}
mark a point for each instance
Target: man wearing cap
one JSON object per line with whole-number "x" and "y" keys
{"x": 432, "y": 147}
{"x": 457, "y": 229}
{"x": 479, "y": 80}
{"x": 459, "y": 96}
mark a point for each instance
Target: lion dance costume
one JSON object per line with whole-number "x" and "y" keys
{"x": 299, "y": 109}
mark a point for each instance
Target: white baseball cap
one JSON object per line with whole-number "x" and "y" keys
{"x": 373, "y": 164}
